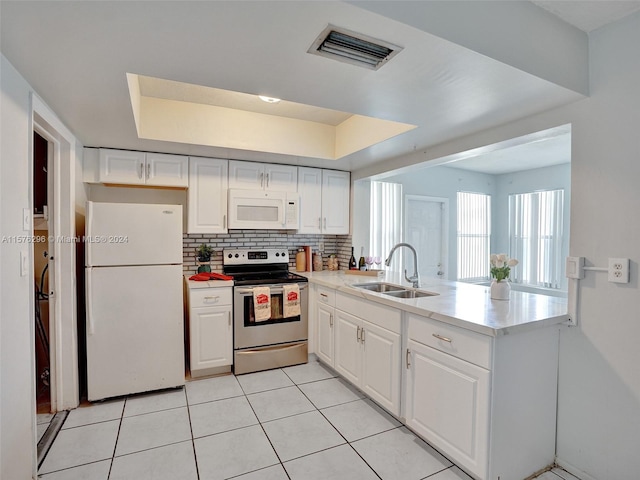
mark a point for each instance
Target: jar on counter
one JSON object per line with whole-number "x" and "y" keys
{"x": 317, "y": 262}
{"x": 301, "y": 260}
{"x": 332, "y": 263}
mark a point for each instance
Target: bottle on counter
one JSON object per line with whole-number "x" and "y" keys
{"x": 361, "y": 263}
{"x": 301, "y": 260}
{"x": 352, "y": 262}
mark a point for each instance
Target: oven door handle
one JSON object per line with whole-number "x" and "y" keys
{"x": 276, "y": 290}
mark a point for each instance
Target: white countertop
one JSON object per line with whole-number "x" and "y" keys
{"x": 208, "y": 284}
{"x": 461, "y": 304}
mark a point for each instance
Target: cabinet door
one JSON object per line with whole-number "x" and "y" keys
{"x": 310, "y": 190}
{"x": 211, "y": 337}
{"x": 381, "y": 366}
{"x": 325, "y": 318}
{"x": 207, "y": 195}
{"x": 447, "y": 403}
{"x": 280, "y": 178}
{"x": 348, "y": 353}
{"x": 249, "y": 175}
{"x": 336, "y": 193}
{"x": 121, "y": 166}
{"x": 167, "y": 170}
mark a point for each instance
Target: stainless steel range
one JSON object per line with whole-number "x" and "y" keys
{"x": 278, "y": 341}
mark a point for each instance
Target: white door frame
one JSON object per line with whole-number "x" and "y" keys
{"x": 445, "y": 225}
{"x": 63, "y": 341}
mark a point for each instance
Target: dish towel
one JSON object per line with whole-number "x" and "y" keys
{"x": 291, "y": 300}
{"x": 262, "y": 303}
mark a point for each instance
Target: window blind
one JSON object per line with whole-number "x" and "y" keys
{"x": 386, "y": 221}
{"x": 535, "y": 237}
{"x": 474, "y": 235}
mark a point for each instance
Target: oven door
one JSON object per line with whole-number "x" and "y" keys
{"x": 248, "y": 333}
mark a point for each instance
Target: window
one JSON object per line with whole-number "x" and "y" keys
{"x": 386, "y": 221}
{"x": 535, "y": 237}
{"x": 474, "y": 236}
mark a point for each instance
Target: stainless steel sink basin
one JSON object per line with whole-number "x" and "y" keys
{"x": 410, "y": 294}
{"x": 379, "y": 287}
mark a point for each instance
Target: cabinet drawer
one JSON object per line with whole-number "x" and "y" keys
{"x": 459, "y": 342}
{"x": 206, "y": 297}
{"x": 381, "y": 315}
{"x": 326, "y": 296}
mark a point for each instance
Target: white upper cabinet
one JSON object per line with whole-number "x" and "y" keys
{"x": 263, "y": 176}
{"x": 207, "y": 195}
{"x": 324, "y": 201}
{"x": 140, "y": 168}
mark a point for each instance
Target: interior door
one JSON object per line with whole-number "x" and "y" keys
{"x": 426, "y": 231}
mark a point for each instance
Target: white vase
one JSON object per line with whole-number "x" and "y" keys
{"x": 500, "y": 290}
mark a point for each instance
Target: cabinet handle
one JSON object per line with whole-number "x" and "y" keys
{"x": 331, "y": 320}
{"x": 140, "y": 173}
{"x": 267, "y": 180}
{"x": 362, "y": 335}
{"x": 358, "y": 334}
{"x": 320, "y": 223}
{"x": 324, "y": 295}
{"x": 440, "y": 337}
{"x": 408, "y": 358}
{"x": 261, "y": 180}
{"x": 325, "y": 223}
{"x": 212, "y": 297}
{"x": 229, "y": 317}
{"x": 224, "y": 222}
{"x": 148, "y": 171}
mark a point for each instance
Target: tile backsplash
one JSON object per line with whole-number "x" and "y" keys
{"x": 333, "y": 244}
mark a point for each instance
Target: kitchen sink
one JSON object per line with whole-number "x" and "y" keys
{"x": 380, "y": 287}
{"x": 410, "y": 294}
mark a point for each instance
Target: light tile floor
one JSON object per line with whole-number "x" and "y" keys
{"x": 295, "y": 423}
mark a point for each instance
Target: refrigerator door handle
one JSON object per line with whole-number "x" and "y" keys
{"x": 90, "y": 325}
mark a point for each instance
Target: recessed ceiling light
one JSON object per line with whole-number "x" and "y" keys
{"x": 268, "y": 99}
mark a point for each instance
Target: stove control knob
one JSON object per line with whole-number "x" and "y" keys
{"x": 230, "y": 255}
{"x": 277, "y": 254}
{"x": 283, "y": 254}
{"x": 237, "y": 255}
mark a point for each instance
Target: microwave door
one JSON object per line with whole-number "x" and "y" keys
{"x": 256, "y": 210}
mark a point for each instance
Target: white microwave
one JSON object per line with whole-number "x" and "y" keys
{"x": 260, "y": 209}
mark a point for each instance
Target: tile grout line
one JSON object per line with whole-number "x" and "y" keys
{"x": 334, "y": 427}
{"x": 113, "y": 456}
{"x": 193, "y": 440}
{"x": 262, "y": 427}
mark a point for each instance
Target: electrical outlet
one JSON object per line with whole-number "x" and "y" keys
{"x": 321, "y": 246}
{"x": 619, "y": 270}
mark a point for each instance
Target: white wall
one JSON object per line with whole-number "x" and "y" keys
{"x": 599, "y": 378}
{"x": 17, "y": 438}
{"x": 599, "y": 410}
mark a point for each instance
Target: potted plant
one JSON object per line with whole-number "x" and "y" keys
{"x": 203, "y": 253}
{"x": 500, "y": 269}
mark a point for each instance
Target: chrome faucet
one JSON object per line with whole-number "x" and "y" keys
{"x": 415, "y": 278}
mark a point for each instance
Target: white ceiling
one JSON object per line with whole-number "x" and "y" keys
{"x": 76, "y": 55}
{"x": 589, "y": 15}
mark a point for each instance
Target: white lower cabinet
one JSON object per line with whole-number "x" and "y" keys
{"x": 447, "y": 403}
{"x": 325, "y": 316}
{"x": 210, "y": 330}
{"x": 367, "y": 354}
{"x": 487, "y": 403}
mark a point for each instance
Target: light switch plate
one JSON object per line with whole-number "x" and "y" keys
{"x": 575, "y": 267}
{"x": 26, "y": 219}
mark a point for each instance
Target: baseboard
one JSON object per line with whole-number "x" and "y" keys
{"x": 573, "y": 470}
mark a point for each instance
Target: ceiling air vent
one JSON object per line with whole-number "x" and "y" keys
{"x": 354, "y": 48}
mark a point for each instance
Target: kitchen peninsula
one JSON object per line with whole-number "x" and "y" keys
{"x": 475, "y": 377}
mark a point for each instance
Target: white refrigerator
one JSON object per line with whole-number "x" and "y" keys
{"x": 134, "y": 306}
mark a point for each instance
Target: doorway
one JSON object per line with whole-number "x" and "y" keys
{"x": 426, "y": 230}
{"x": 43, "y": 281}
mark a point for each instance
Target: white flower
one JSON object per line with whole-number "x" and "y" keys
{"x": 494, "y": 258}
{"x": 499, "y": 263}
{"x": 512, "y": 263}
{"x": 502, "y": 257}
